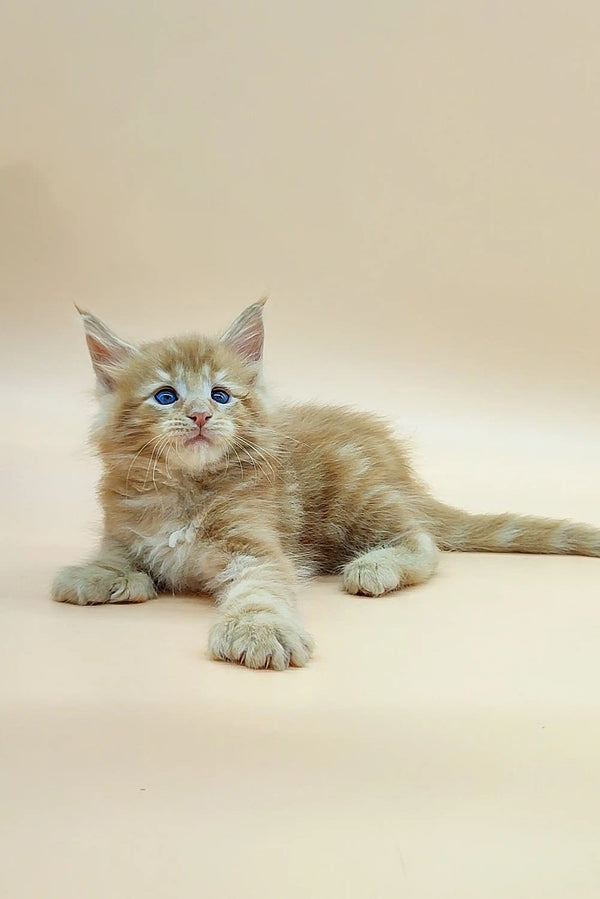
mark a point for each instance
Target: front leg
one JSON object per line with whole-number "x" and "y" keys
{"x": 258, "y": 626}
{"x": 108, "y": 579}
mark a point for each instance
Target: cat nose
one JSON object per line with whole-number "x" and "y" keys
{"x": 200, "y": 418}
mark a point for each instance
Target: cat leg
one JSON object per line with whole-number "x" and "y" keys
{"x": 410, "y": 561}
{"x": 258, "y": 625}
{"x": 109, "y": 578}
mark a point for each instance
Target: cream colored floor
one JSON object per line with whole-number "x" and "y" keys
{"x": 444, "y": 742}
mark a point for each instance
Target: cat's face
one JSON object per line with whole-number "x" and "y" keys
{"x": 191, "y": 402}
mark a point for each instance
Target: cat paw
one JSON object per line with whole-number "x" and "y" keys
{"x": 261, "y": 638}
{"x": 87, "y": 585}
{"x": 371, "y": 575}
{"x": 133, "y": 587}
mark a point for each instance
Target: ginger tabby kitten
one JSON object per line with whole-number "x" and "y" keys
{"x": 208, "y": 487}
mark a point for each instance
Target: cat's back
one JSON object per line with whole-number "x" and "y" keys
{"x": 351, "y": 439}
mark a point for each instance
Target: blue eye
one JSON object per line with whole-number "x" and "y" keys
{"x": 166, "y": 396}
{"x": 219, "y": 395}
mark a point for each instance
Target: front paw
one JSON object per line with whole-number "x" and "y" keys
{"x": 86, "y": 585}
{"x": 261, "y": 638}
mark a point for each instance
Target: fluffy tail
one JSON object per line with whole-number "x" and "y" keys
{"x": 454, "y": 529}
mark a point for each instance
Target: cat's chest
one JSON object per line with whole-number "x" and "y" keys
{"x": 172, "y": 546}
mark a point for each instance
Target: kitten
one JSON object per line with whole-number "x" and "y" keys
{"x": 207, "y": 487}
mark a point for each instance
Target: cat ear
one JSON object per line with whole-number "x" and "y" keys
{"x": 246, "y": 334}
{"x": 107, "y": 351}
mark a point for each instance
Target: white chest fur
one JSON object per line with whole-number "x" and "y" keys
{"x": 172, "y": 549}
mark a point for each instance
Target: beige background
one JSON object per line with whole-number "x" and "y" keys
{"x": 416, "y": 186}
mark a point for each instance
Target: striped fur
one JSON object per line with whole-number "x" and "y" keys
{"x": 256, "y": 496}
{"x": 454, "y": 529}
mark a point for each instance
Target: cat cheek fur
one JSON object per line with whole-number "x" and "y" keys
{"x": 280, "y": 491}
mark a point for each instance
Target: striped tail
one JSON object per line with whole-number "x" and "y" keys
{"x": 454, "y": 529}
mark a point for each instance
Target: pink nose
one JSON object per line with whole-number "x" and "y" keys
{"x": 200, "y": 418}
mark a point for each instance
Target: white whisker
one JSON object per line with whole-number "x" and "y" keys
{"x": 250, "y": 448}
{"x": 152, "y": 440}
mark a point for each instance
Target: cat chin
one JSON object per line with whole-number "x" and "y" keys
{"x": 200, "y": 454}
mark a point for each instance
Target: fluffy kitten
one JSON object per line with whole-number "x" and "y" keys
{"x": 209, "y": 488}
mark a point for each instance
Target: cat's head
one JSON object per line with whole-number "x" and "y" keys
{"x": 192, "y": 402}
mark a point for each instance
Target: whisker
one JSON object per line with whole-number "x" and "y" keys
{"x": 162, "y": 446}
{"x": 157, "y": 449}
{"x": 152, "y": 440}
{"x": 253, "y": 448}
{"x": 169, "y": 451}
{"x": 263, "y": 451}
{"x": 257, "y": 465}
{"x": 239, "y": 462}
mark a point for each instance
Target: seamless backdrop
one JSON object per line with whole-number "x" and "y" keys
{"x": 416, "y": 187}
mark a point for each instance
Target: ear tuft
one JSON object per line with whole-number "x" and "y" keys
{"x": 246, "y": 334}
{"x": 107, "y": 351}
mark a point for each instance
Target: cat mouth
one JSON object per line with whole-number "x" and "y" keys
{"x": 197, "y": 438}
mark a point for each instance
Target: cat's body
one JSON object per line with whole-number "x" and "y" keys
{"x": 221, "y": 492}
